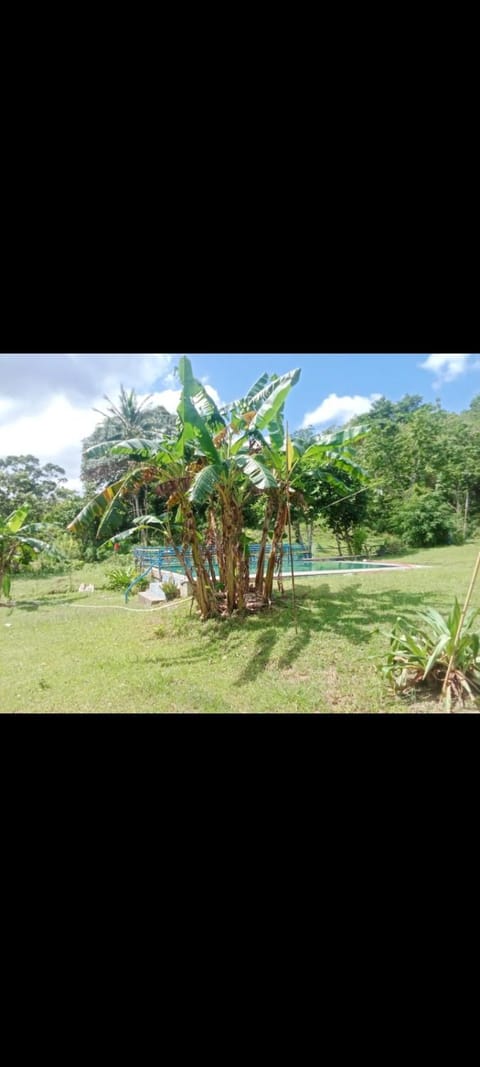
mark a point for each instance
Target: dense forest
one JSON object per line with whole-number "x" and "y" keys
{"x": 418, "y": 482}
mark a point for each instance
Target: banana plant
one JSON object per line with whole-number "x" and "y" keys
{"x": 207, "y": 474}
{"x": 221, "y": 459}
{"x": 289, "y": 461}
{"x": 232, "y": 468}
{"x": 15, "y": 536}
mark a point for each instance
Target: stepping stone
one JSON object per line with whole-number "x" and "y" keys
{"x": 153, "y": 595}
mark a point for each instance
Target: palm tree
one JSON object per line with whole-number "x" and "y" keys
{"x": 127, "y": 419}
{"x": 129, "y": 413}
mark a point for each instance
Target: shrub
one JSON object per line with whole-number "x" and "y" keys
{"x": 359, "y": 540}
{"x": 390, "y": 546}
{"x": 171, "y": 590}
{"x": 121, "y": 577}
{"x": 425, "y": 520}
{"x": 420, "y": 653}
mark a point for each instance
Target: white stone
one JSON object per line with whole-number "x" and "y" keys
{"x": 152, "y": 598}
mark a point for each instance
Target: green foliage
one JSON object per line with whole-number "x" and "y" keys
{"x": 171, "y": 590}
{"x": 389, "y": 545}
{"x": 24, "y": 483}
{"x": 221, "y": 463}
{"x": 359, "y": 540}
{"x": 121, "y": 576}
{"x": 420, "y": 652}
{"x": 19, "y": 544}
{"x": 128, "y": 418}
{"x": 425, "y": 519}
{"x": 414, "y": 447}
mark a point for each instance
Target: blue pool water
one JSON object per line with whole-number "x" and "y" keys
{"x": 165, "y": 559}
{"x": 315, "y": 566}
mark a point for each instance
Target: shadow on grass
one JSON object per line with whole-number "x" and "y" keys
{"x": 350, "y": 612}
{"x": 51, "y": 600}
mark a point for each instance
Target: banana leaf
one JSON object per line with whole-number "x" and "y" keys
{"x": 204, "y": 483}
{"x": 340, "y": 437}
{"x": 95, "y": 508}
{"x": 195, "y": 391}
{"x": 254, "y": 469}
{"x": 14, "y": 522}
{"x": 275, "y": 384}
{"x": 274, "y": 402}
{"x": 195, "y": 429}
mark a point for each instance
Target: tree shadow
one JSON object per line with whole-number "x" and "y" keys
{"x": 261, "y": 655}
{"x": 50, "y": 600}
{"x": 348, "y": 611}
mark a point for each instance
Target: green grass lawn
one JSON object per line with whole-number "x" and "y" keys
{"x": 62, "y": 651}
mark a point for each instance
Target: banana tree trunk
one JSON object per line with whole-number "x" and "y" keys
{"x": 3, "y": 575}
{"x": 203, "y": 590}
{"x": 241, "y": 557}
{"x": 259, "y": 577}
{"x": 6, "y": 563}
{"x": 229, "y": 548}
{"x": 212, "y": 545}
{"x": 275, "y": 554}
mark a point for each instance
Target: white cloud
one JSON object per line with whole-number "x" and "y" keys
{"x": 339, "y": 409}
{"x": 167, "y": 398}
{"x": 80, "y": 378}
{"x": 52, "y": 434}
{"x": 6, "y": 405}
{"x": 170, "y": 398}
{"x": 447, "y": 368}
{"x": 47, "y": 400}
{"x": 75, "y": 484}
{"x": 214, "y": 395}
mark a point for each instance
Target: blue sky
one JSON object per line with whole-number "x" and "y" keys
{"x": 454, "y": 379}
{"x": 47, "y": 401}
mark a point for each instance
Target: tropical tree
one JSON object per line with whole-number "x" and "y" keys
{"x": 221, "y": 461}
{"x": 23, "y": 481}
{"x": 18, "y": 545}
{"x": 126, "y": 419}
{"x": 205, "y": 478}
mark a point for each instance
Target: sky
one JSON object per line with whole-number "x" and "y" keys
{"x": 47, "y": 401}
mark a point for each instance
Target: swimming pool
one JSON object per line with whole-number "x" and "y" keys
{"x": 165, "y": 559}
{"x": 321, "y": 566}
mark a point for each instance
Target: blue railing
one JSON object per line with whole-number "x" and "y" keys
{"x": 135, "y": 582}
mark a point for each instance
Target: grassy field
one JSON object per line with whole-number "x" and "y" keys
{"x": 62, "y": 651}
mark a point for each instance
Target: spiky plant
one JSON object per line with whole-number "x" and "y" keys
{"x": 420, "y": 651}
